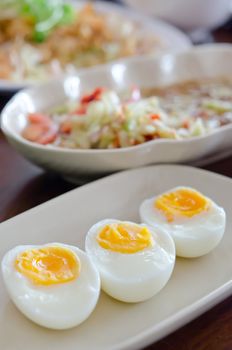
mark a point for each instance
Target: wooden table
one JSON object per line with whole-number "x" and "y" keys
{"x": 23, "y": 186}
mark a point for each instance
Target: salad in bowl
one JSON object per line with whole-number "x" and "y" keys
{"x": 42, "y": 39}
{"x": 107, "y": 119}
{"x": 127, "y": 114}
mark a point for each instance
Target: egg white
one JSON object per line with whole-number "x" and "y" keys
{"x": 132, "y": 277}
{"x": 193, "y": 236}
{"x": 58, "y": 306}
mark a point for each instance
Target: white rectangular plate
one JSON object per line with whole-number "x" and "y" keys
{"x": 195, "y": 286}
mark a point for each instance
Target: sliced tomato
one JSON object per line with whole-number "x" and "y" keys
{"x": 81, "y": 110}
{"x": 155, "y": 116}
{"x": 186, "y": 124}
{"x": 32, "y": 132}
{"x": 39, "y": 118}
{"x": 40, "y": 133}
{"x": 48, "y": 137}
{"x": 66, "y": 127}
{"x": 95, "y": 95}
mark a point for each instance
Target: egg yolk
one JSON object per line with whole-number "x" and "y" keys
{"x": 48, "y": 265}
{"x": 183, "y": 202}
{"x": 124, "y": 238}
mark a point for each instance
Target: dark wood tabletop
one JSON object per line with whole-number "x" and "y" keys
{"x": 23, "y": 186}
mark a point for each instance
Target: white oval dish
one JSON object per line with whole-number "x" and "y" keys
{"x": 195, "y": 286}
{"x": 171, "y": 38}
{"x": 203, "y": 62}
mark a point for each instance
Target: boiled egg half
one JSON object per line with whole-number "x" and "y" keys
{"x": 135, "y": 261}
{"x": 55, "y": 285}
{"x": 196, "y": 222}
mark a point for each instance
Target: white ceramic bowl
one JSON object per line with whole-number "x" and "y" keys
{"x": 171, "y": 38}
{"x": 187, "y": 14}
{"x": 204, "y": 61}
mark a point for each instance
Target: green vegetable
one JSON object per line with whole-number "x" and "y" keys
{"x": 46, "y": 14}
{"x": 218, "y": 106}
{"x": 127, "y": 126}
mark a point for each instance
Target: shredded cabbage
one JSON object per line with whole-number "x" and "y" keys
{"x": 107, "y": 119}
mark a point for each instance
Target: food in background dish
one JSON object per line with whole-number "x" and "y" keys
{"x": 196, "y": 222}
{"x": 108, "y": 119}
{"x": 54, "y": 285}
{"x": 208, "y": 103}
{"x": 41, "y": 38}
{"x": 134, "y": 261}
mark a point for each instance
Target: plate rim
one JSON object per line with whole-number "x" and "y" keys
{"x": 177, "y": 320}
{"x": 118, "y": 174}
